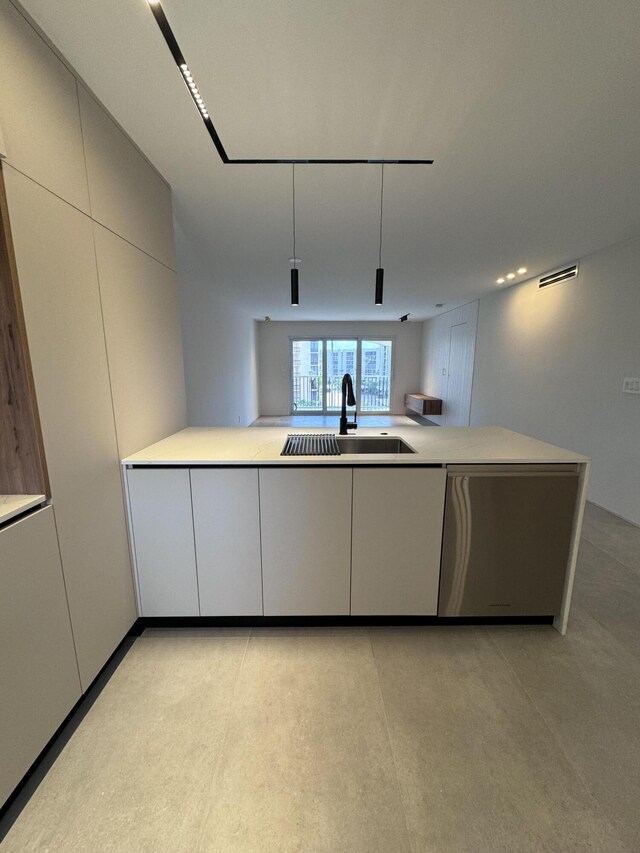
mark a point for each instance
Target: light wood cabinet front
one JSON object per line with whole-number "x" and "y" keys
{"x": 397, "y": 535}
{"x": 306, "y": 540}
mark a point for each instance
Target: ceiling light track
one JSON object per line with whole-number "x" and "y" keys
{"x": 174, "y": 47}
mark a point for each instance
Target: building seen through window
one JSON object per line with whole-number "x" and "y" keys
{"x": 318, "y": 365}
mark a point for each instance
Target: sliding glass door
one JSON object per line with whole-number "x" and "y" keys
{"x": 342, "y": 357}
{"x": 318, "y": 365}
{"x": 307, "y": 372}
{"x": 375, "y": 387}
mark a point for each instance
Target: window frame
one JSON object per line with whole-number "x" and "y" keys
{"x": 324, "y": 411}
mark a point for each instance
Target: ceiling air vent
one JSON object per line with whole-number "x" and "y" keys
{"x": 558, "y": 276}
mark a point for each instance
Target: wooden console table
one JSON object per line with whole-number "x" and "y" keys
{"x": 422, "y": 404}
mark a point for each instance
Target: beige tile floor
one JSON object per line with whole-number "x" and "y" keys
{"x": 432, "y": 740}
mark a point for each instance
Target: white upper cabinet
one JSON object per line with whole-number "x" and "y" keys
{"x": 127, "y": 195}
{"x": 144, "y": 345}
{"x": 160, "y": 503}
{"x": 39, "y": 111}
{"x": 226, "y": 520}
{"x": 306, "y": 540}
{"x": 397, "y": 535}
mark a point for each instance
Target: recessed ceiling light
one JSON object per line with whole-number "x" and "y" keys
{"x": 499, "y": 281}
{"x": 511, "y": 276}
{"x": 522, "y": 270}
{"x": 295, "y": 260}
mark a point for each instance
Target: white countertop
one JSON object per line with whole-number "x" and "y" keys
{"x": 435, "y": 445}
{"x": 12, "y": 505}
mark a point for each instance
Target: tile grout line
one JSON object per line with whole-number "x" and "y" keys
{"x": 223, "y": 742}
{"x": 393, "y": 754}
{"x": 607, "y": 553}
{"x": 599, "y": 808}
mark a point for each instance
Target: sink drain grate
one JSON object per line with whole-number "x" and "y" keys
{"x": 310, "y": 444}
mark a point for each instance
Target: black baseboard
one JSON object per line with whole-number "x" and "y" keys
{"x": 326, "y": 621}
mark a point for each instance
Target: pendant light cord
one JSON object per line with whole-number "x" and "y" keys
{"x": 381, "y": 197}
{"x": 293, "y": 183}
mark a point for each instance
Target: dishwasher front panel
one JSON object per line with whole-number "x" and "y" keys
{"x": 507, "y": 534}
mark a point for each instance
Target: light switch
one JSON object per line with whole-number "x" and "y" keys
{"x": 630, "y": 385}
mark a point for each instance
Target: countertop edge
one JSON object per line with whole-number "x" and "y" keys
{"x": 16, "y": 504}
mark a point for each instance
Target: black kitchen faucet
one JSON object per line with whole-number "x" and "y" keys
{"x": 348, "y": 399}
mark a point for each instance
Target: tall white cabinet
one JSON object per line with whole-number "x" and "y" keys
{"x": 306, "y": 540}
{"x": 397, "y": 535}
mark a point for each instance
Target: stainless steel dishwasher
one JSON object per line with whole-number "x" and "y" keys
{"x": 507, "y": 533}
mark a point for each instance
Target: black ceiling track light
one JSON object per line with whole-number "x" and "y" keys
{"x": 172, "y": 44}
{"x": 295, "y": 291}
{"x": 380, "y": 271}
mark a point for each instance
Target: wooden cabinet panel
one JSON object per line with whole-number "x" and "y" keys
{"x": 38, "y": 670}
{"x": 423, "y": 404}
{"x": 306, "y": 539}
{"x": 160, "y": 503}
{"x": 226, "y": 519}
{"x": 397, "y": 535}
{"x": 40, "y": 115}
{"x": 55, "y": 256}
{"x": 23, "y": 469}
{"x": 127, "y": 195}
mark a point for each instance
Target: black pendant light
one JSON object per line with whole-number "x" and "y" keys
{"x": 295, "y": 293}
{"x": 380, "y": 271}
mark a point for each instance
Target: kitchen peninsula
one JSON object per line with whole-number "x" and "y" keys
{"x": 222, "y": 525}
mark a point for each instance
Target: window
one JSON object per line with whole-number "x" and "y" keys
{"x": 318, "y": 365}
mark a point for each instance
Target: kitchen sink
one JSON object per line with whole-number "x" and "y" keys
{"x": 373, "y": 444}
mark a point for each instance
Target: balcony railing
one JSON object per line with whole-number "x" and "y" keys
{"x": 307, "y": 393}
{"x": 375, "y": 393}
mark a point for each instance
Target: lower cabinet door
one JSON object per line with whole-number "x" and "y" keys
{"x": 226, "y": 520}
{"x": 162, "y": 522}
{"x": 39, "y": 681}
{"x": 397, "y": 535}
{"x": 306, "y": 540}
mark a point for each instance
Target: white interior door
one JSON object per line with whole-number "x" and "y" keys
{"x": 460, "y": 374}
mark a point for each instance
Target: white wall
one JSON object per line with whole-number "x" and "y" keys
{"x": 219, "y": 341}
{"x": 436, "y": 364}
{"x": 550, "y": 363}
{"x": 274, "y": 356}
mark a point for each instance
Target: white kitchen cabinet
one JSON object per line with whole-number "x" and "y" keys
{"x": 306, "y": 540}
{"x": 226, "y": 520}
{"x": 160, "y": 504}
{"x": 39, "y": 681}
{"x": 397, "y": 536}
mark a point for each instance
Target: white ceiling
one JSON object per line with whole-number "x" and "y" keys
{"x": 529, "y": 109}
